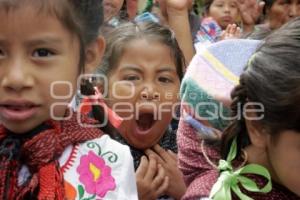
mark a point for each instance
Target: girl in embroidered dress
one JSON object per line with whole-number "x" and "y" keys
{"x": 264, "y": 137}
{"x": 143, "y": 64}
{"x": 46, "y": 150}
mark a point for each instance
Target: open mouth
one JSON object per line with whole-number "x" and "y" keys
{"x": 145, "y": 121}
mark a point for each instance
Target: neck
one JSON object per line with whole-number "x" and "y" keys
{"x": 29, "y": 134}
{"x": 260, "y": 156}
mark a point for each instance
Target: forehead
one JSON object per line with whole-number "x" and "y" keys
{"x": 57, "y": 8}
{"x": 114, "y": 2}
{"x": 148, "y": 47}
{"x": 38, "y": 5}
{"x": 26, "y": 24}
{"x": 224, "y": 1}
{"x": 26, "y": 15}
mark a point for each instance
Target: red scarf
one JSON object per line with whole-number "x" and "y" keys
{"x": 40, "y": 154}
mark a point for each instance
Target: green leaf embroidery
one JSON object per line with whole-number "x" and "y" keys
{"x": 90, "y": 198}
{"x": 81, "y": 191}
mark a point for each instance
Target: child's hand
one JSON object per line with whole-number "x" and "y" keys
{"x": 168, "y": 160}
{"x": 151, "y": 179}
{"x": 173, "y": 7}
{"x": 250, "y": 11}
{"x": 232, "y": 32}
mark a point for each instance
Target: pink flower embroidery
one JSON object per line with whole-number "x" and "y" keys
{"x": 95, "y": 175}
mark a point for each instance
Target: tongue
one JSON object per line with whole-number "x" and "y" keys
{"x": 145, "y": 121}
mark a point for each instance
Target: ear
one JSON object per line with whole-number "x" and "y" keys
{"x": 257, "y": 134}
{"x": 93, "y": 54}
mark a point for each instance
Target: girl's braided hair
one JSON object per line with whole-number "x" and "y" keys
{"x": 271, "y": 79}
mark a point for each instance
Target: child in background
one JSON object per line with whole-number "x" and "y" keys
{"x": 224, "y": 12}
{"x": 143, "y": 64}
{"x": 259, "y": 149}
{"x": 45, "y": 152}
{"x": 218, "y": 16}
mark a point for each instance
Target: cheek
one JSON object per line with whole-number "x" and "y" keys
{"x": 59, "y": 95}
{"x": 62, "y": 90}
{"x": 214, "y": 13}
{"x": 122, "y": 91}
{"x": 279, "y": 13}
{"x": 235, "y": 14}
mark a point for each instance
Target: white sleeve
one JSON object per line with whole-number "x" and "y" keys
{"x": 123, "y": 172}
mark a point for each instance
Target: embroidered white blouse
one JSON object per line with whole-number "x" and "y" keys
{"x": 97, "y": 169}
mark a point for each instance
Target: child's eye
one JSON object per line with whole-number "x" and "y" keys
{"x": 165, "y": 80}
{"x": 219, "y": 5}
{"x": 132, "y": 78}
{"x": 1, "y": 53}
{"x": 233, "y": 5}
{"x": 42, "y": 53}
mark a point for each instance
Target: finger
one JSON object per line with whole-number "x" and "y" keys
{"x": 238, "y": 32}
{"x": 142, "y": 169}
{"x": 152, "y": 168}
{"x": 228, "y": 28}
{"x": 232, "y": 30}
{"x": 223, "y": 35}
{"x": 149, "y": 152}
{"x": 162, "y": 153}
{"x": 163, "y": 188}
{"x": 173, "y": 155}
{"x": 159, "y": 178}
{"x": 153, "y": 154}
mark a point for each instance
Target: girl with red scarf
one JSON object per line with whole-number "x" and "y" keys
{"x": 46, "y": 150}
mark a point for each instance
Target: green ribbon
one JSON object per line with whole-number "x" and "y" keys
{"x": 229, "y": 180}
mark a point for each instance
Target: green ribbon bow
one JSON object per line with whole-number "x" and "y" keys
{"x": 229, "y": 180}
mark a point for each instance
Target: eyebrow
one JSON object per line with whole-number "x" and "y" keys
{"x": 131, "y": 67}
{"x": 137, "y": 69}
{"x": 166, "y": 69}
{"x": 38, "y": 41}
{"x": 44, "y": 41}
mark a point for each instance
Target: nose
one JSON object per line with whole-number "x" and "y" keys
{"x": 16, "y": 76}
{"x": 227, "y": 9}
{"x": 293, "y": 10}
{"x": 149, "y": 93}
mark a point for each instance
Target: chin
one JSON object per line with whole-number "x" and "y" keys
{"x": 18, "y": 129}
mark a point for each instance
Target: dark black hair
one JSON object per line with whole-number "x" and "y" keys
{"x": 268, "y": 5}
{"x": 271, "y": 78}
